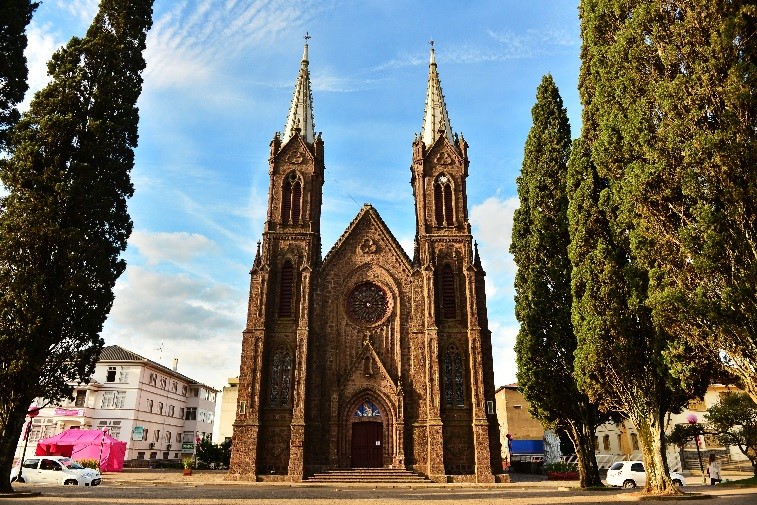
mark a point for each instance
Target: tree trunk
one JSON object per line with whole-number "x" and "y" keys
{"x": 582, "y": 437}
{"x": 11, "y": 424}
{"x": 652, "y": 440}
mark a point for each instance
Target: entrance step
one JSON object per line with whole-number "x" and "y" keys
{"x": 370, "y": 475}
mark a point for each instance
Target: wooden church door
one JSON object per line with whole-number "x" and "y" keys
{"x": 367, "y": 445}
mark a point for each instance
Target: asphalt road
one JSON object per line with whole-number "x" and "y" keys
{"x": 200, "y": 493}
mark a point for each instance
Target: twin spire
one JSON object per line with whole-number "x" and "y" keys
{"x": 435, "y": 118}
{"x": 301, "y": 111}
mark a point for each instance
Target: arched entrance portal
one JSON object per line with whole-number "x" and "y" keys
{"x": 367, "y": 445}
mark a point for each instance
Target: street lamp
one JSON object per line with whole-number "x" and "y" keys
{"x": 692, "y": 420}
{"x": 32, "y": 413}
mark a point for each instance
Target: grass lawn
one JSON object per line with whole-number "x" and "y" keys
{"x": 750, "y": 482}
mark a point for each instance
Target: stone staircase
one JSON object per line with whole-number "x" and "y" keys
{"x": 369, "y": 475}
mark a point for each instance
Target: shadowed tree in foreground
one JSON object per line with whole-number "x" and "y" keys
{"x": 64, "y": 222}
{"x": 15, "y": 15}
{"x": 625, "y": 359}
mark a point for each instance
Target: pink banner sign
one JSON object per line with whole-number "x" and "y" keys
{"x": 69, "y": 412}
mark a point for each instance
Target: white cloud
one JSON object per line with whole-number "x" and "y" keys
{"x": 492, "y": 221}
{"x": 503, "y": 351}
{"x": 85, "y": 10}
{"x": 41, "y": 45}
{"x": 178, "y": 248}
{"x": 197, "y": 320}
{"x": 189, "y": 44}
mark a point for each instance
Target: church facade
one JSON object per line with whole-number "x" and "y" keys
{"x": 366, "y": 357}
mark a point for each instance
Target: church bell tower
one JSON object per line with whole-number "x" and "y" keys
{"x": 269, "y": 429}
{"x": 457, "y": 408}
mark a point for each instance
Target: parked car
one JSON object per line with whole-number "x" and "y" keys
{"x": 629, "y": 474}
{"x": 56, "y": 470}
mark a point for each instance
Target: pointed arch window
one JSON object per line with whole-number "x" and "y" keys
{"x": 453, "y": 378}
{"x": 286, "y": 289}
{"x": 291, "y": 199}
{"x": 281, "y": 378}
{"x": 443, "y": 201}
{"x": 449, "y": 303}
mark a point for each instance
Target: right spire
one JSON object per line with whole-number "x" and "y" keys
{"x": 435, "y": 118}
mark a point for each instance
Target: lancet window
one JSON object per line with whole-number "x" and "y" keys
{"x": 286, "y": 289}
{"x": 281, "y": 378}
{"x": 291, "y": 199}
{"x": 453, "y": 378}
{"x": 443, "y": 206}
{"x": 449, "y": 303}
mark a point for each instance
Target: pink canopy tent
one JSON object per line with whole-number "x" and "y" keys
{"x": 86, "y": 444}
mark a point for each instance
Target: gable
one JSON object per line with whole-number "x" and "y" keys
{"x": 367, "y": 240}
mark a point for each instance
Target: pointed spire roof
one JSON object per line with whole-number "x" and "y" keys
{"x": 435, "y": 117}
{"x": 301, "y": 111}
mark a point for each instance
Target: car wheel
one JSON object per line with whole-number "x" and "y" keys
{"x": 677, "y": 482}
{"x": 70, "y": 482}
{"x": 629, "y": 484}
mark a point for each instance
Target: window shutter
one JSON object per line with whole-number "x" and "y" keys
{"x": 286, "y": 289}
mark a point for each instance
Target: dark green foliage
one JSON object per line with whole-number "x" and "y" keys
{"x": 15, "y": 15}
{"x": 215, "y": 455}
{"x": 624, "y": 356}
{"x": 65, "y": 222}
{"x": 694, "y": 168}
{"x": 734, "y": 420}
{"x": 545, "y": 342}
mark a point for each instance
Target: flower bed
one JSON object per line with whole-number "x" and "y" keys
{"x": 562, "y": 475}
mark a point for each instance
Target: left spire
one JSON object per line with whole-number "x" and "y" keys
{"x": 301, "y": 111}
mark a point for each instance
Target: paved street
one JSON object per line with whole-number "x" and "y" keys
{"x": 209, "y": 488}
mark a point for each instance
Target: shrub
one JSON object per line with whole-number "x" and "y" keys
{"x": 89, "y": 463}
{"x": 561, "y": 467}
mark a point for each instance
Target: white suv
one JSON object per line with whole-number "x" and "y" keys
{"x": 56, "y": 470}
{"x": 630, "y": 474}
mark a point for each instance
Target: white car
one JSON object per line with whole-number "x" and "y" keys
{"x": 56, "y": 470}
{"x": 629, "y": 474}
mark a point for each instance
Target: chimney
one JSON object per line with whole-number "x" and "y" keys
{"x": 175, "y": 364}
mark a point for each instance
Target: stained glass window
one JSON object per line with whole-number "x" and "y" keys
{"x": 453, "y": 378}
{"x": 286, "y": 379}
{"x": 367, "y": 409}
{"x": 281, "y": 378}
{"x": 447, "y": 380}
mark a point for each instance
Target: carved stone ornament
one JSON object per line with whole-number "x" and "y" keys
{"x": 367, "y": 303}
{"x": 368, "y": 246}
{"x": 295, "y": 157}
{"x": 442, "y": 158}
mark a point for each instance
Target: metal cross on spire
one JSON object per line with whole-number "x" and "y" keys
{"x": 307, "y": 37}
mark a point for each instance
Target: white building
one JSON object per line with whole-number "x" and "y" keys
{"x": 228, "y": 414}
{"x": 157, "y": 411}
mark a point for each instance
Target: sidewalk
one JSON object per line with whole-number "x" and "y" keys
{"x": 145, "y": 476}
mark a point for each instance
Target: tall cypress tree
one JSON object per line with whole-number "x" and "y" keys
{"x": 15, "y": 15}
{"x": 623, "y": 357}
{"x": 695, "y": 180}
{"x": 64, "y": 222}
{"x": 546, "y": 342}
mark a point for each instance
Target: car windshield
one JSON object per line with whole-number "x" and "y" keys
{"x": 616, "y": 466}
{"x": 71, "y": 464}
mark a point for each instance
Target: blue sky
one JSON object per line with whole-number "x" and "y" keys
{"x": 218, "y": 84}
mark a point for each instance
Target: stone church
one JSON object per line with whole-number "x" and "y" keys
{"x": 366, "y": 357}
